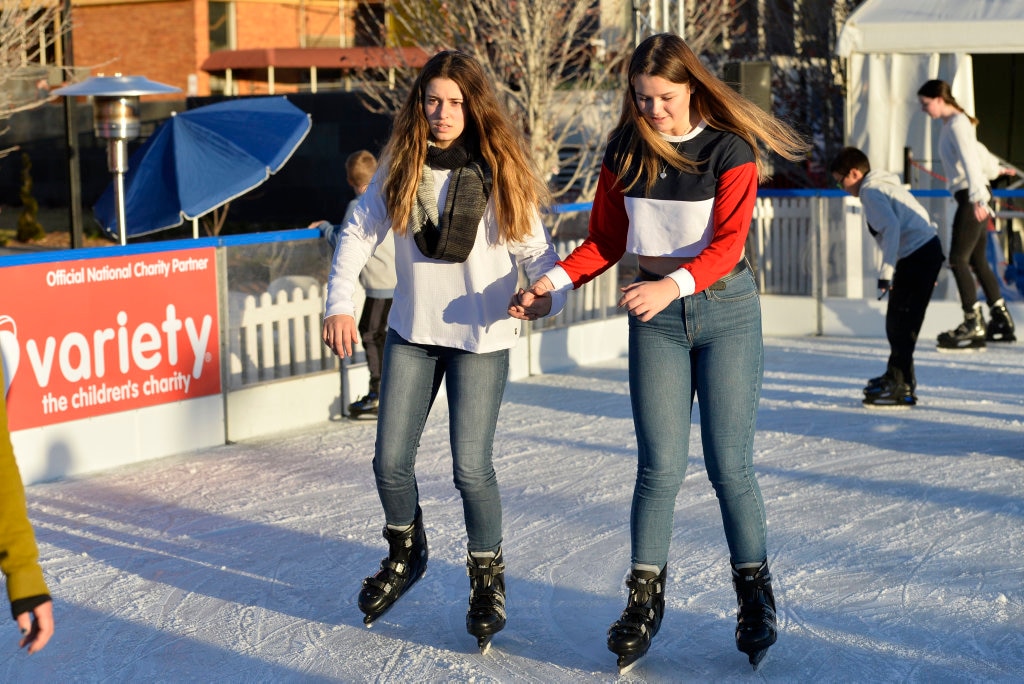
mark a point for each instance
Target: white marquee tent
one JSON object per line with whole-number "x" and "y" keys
{"x": 894, "y": 46}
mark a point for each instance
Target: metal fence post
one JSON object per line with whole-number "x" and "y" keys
{"x": 818, "y": 272}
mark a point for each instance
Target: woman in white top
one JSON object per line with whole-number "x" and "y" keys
{"x": 964, "y": 163}
{"x": 457, "y": 189}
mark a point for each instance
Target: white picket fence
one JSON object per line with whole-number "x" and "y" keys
{"x": 812, "y": 245}
{"x": 781, "y": 237}
{"x": 276, "y": 336}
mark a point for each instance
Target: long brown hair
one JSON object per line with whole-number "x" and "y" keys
{"x": 666, "y": 55}
{"x": 517, "y": 190}
{"x": 937, "y": 88}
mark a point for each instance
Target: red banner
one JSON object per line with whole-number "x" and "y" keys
{"x": 97, "y": 336}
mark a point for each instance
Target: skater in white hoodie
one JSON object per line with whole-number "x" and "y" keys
{"x": 911, "y": 259}
{"x": 969, "y": 167}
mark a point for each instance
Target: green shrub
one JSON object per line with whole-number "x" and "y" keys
{"x": 29, "y": 227}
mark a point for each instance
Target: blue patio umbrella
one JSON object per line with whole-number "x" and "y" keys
{"x": 201, "y": 159}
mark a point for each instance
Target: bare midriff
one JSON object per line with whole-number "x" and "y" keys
{"x": 662, "y": 265}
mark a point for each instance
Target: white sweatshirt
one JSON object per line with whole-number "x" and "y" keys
{"x": 898, "y": 222}
{"x": 458, "y": 305}
{"x": 961, "y": 158}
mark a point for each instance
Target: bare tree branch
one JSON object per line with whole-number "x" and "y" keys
{"x": 29, "y": 30}
{"x": 551, "y": 61}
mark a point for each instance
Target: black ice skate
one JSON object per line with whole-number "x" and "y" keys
{"x": 406, "y": 563}
{"x": 486, "y": 615}
{"x": 367, "y": 406}
{"x": 1000, "y": 327}
{"x": 968, "y": 336}
{"x": 630, "y": 637}
{"x": 755, "y": 616}
{"x": 889, "y": 390}
{"x": 891, "y": 395}
{"x": 876, "y": 385}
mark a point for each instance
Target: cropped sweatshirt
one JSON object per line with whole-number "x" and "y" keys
{"x": 704, "y": 216}
{"x": 897, "y": 221}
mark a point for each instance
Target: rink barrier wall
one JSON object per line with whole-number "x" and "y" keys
{"x": 811, "y": 257}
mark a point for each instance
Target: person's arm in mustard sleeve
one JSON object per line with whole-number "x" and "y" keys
{"x": 30, "y": 600}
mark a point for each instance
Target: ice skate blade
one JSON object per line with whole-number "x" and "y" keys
{"x": 757, "y": 657}
{"x": 958, "y": 350}
{"x": 626, "y": 663}
{"x": 887, "y": 407}
{"x": 484, "y": 644}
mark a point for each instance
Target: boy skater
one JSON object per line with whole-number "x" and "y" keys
{"x": 911, "y": 259}
{"x": 378, "y": 280}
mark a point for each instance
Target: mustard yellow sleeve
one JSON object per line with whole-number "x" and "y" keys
{"x": 19, "y": 555}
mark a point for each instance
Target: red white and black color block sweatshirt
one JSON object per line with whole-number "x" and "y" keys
{"x": 703, "y": 216}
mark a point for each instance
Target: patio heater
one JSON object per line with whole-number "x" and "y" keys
{"x": 115, "y": 114}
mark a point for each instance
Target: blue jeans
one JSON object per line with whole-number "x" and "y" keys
{"x": 474, "y": 383}
{"x": 708, "y": 344}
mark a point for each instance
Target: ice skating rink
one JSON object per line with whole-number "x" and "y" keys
{"x": 896, "y": 539}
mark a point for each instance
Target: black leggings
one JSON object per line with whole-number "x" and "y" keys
{"x": 967, "y": 257}
{"x": 912, "y": 285}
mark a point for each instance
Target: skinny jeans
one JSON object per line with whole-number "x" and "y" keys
{"x": 707, "y": 345}
{"x": 967, "y": 257}
{"x": 474, "y": 384}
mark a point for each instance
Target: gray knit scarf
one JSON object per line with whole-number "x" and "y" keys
{"x": 450, "y": 236}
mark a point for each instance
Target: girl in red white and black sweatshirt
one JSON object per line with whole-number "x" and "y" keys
{"x": 677, "y": 188}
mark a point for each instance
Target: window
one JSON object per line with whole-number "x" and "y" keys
{"x": 222, "y": 25}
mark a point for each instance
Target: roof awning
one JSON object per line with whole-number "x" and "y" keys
{"x": 288, "y": 65}
{"x": 322, "y": 58}
{"x": 941, "y": 26}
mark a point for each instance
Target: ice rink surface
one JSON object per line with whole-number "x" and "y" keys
{"x": 896, "y": 539}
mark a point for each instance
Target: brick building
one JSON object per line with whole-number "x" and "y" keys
{"x": 170, "y": 41}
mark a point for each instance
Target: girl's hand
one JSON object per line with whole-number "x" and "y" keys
{"x": 532, "y": 303}
{"x": 647, "y": 299}
{"x": 339, "y": 334}
{"x": 981, "y": 212}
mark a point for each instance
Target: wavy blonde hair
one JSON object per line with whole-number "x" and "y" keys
{"x": 517, "y": 190}
{"x": 666, "y": 55}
